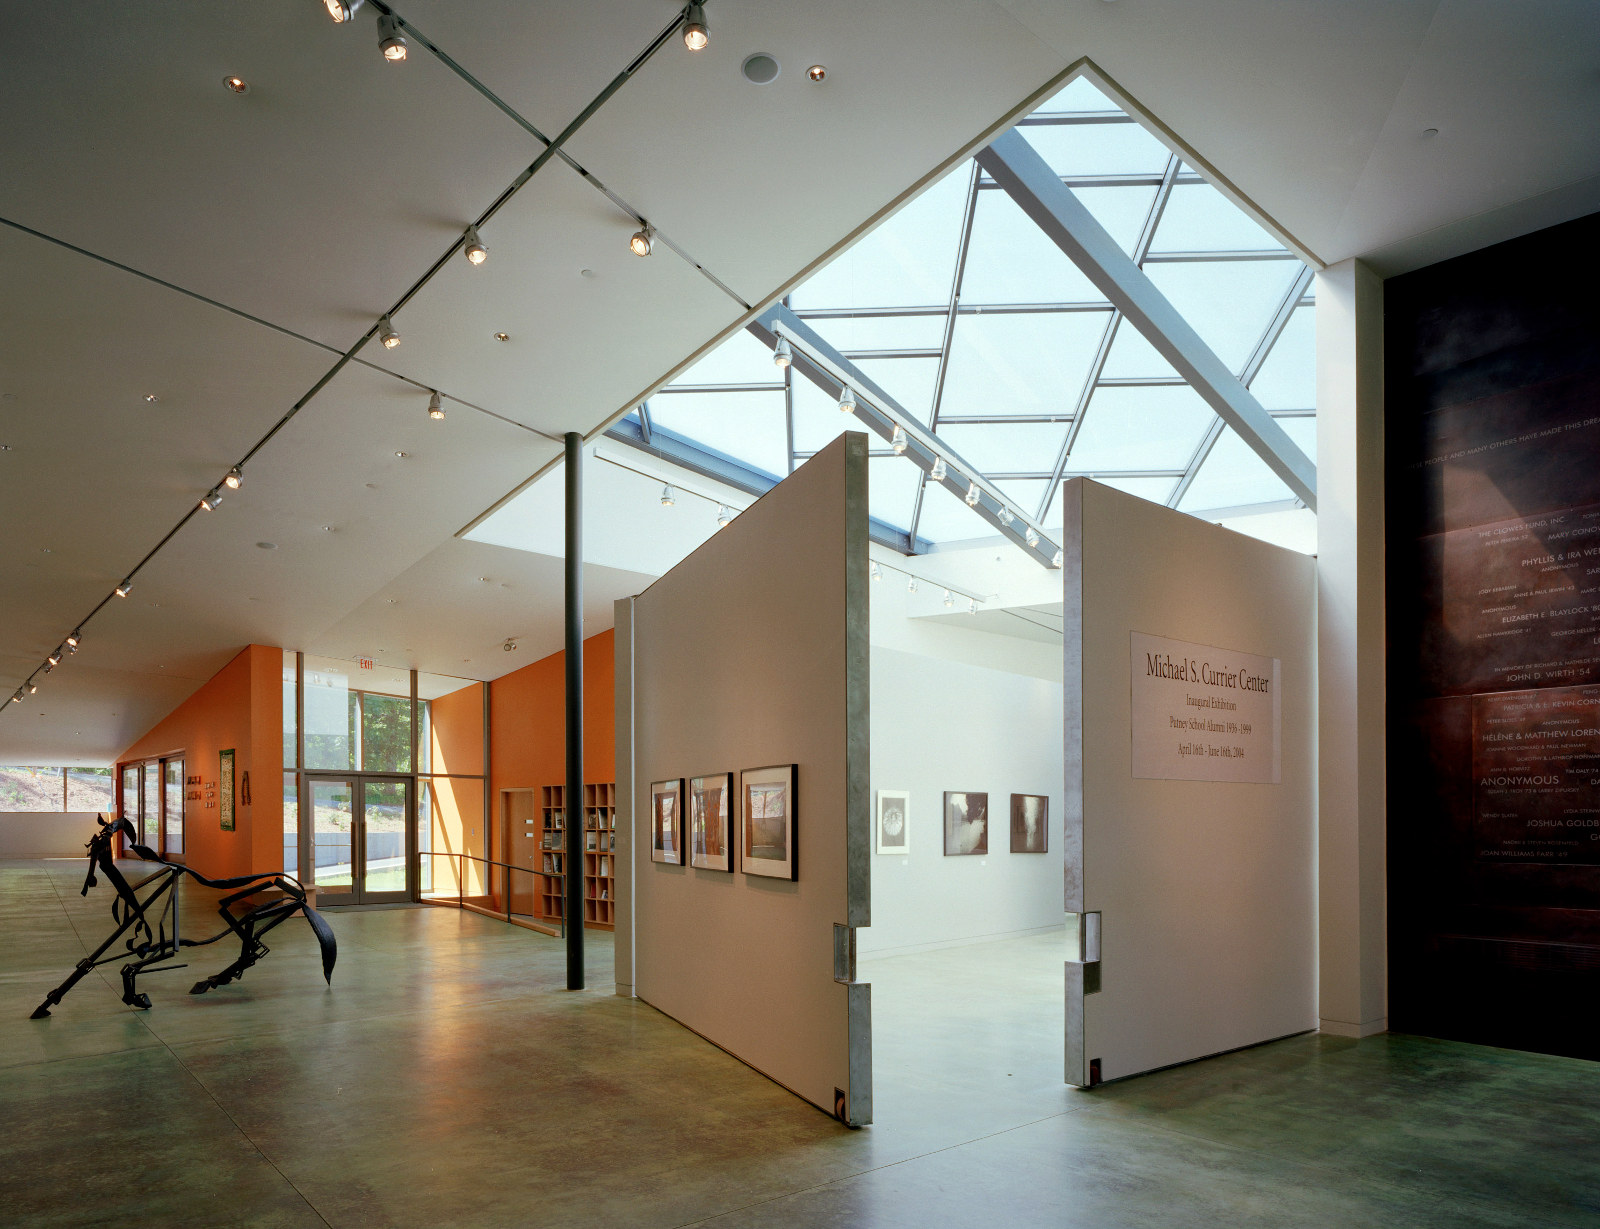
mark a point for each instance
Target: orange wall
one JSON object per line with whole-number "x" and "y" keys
{"x": 456, "y": 730}
{"x": 528, "y": 722}
{"x": 240, "y": 707}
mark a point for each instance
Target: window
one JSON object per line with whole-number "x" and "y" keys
{"x": 172, "y": 773}
{"x": 56, "y": 789}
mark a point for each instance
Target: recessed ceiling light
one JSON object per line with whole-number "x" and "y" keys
{"x": 760, "y": 68}
{"x": 817, "y": 72}
{"x": 587, "y": 273}
{"x": 402, "y": 455}
{"x": 151, "y": 398}
{"x": 236, "y": 85}
{"x": 267, "y": 545}
{"x": 5, "y": 447}
{"x": 1430, "y": 132}
{"x": 44, "y": 550}
{"x": 485, "y": 579}
{"x": 327, "y": 529}
{"x": 502, "y": 336}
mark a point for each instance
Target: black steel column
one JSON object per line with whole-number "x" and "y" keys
{"x": 573, "y": 809}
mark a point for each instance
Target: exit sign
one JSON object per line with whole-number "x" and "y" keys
{"x": 364, "y": 662}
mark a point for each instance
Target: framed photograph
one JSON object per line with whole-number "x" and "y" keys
{"x": 710, "y": 832}
{"x": 894, "y": 821}
{"x": 769, "y": 847}
{"x": 1030, "y": 823}
{"x": 666, "y": 822}
{"x": 966, "y": 823}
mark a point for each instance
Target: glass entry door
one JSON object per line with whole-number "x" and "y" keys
{"x": 360, "y": 841}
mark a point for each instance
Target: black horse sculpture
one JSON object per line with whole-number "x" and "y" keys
{"x": 153, "y": 920}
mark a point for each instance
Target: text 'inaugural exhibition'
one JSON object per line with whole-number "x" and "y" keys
{"x": 1202, "y": 713}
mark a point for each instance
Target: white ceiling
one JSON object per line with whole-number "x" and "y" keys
{"x": 315, "y": 200}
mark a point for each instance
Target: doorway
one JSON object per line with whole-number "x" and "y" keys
{"x": 361, "y": 843}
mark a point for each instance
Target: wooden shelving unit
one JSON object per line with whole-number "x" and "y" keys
{"x": 600, "y": 855}
{"x": 552, "y": 827}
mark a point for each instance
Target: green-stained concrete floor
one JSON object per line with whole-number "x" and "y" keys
{"x": 447, "y": 1078}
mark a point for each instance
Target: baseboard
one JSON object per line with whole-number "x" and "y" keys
{"x": 1344, "y": 1028}
{"x": 912, "y": 949}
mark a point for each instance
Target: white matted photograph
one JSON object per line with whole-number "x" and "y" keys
{"x": 666, "y": 822}
{"x": 769, "y": 847}
{"x": 709, "y": 801}
{"x": 894, "y": 821}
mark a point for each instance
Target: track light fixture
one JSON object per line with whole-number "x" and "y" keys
{"x": 33, "y": 688}
{"x": 972, "y": 493}
{"x": 782, "y": 355}
{"x": 972, "y": 605}
{"x": 73, "y": 641}
{"x": 949, "y": 598}
{"x": 390, "y": 41}
{"x": 1006, "y": 515}
{"x": 387, "y": 334}
{"x": 124, "y": 588}
{"x": 847, "y": 401}
{"x": 669, "y": 498}
{"x": 644, "y": 239}
{"x": 16, "y": 698}
{"x": 54, "y": 659}
{"x": 939, "y": 470}
{"x": 234, "y": 480}
{"x": 1031, "y": 537}
{"x": 342, "y": 10}
{"x": 696, "y": 34}
{"x": 911, "y": 584}
{"x": 724, "y": 515}
{"x": 476, "y": 253}
{"x": 1058, "y": 559}
{"x": 435, "y": 410}
{"x": 213, "y": 497}
{"x": 876, "y": 572}
{"x": 897, "y": 441}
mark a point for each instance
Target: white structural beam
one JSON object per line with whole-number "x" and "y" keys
{"x": 1027, "y": 178}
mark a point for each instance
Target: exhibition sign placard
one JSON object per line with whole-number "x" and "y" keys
{"x": 1201, "y": 713}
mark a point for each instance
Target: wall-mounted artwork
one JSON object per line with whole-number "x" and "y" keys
{"x": 710, "y": 833}
{"x": 1030, "y": 823}
{"x": 225, "y": 788}
{"x": 894, "y": 821}
{"x": 966, "y": 823}
{"x": 666, "y": 822}
{"x": 769, "y": 845}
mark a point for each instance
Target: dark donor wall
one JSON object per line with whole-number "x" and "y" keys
{"x": 1492, "y": 398}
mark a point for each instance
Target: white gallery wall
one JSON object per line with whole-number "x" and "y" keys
{"x": 46, "y": 834}
{"x": 752, "y": 652}
{"x": 941, "y": 725}
{"x": 1205, "y": 888}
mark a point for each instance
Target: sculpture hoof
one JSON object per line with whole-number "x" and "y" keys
{"x": 200, "y": 987}
{"x": 40, "y": 1012}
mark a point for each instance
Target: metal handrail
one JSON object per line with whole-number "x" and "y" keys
{"x": 460, "y": 901}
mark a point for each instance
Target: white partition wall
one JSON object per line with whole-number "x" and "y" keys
{"x": 753, "y": 652}
{"x": 1190, "y": 786}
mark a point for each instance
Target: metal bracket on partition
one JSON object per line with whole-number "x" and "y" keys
{"x": 844, "y": 954}
{"x": 1083, "y": 947}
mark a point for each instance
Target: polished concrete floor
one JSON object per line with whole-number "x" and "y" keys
{"x": 446, "y": 1078}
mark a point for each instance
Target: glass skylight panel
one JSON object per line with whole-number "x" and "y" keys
{"x": 909, "y": 381}
{"x": 1232, "y": 476}
{"x": 1140, "y": 428}
{"x": 882, "y": 332}
{"x": 748, "y": 427}
{"x": 1010, "y": 260}
{"x": 1288, "y": 379}
{"x": 1098, "y": 149}
{"x": 741, "y": 359}
{"x": 891, "y": 488}
{"x": 817, "y": 421}
{"x": 1198, "y": 218}
{"x": 1229, "y": 303}
{"x": 908, "y": 261}
{"x": 1008, "y": 448}
{"x": 1025, "y": 494}
{"x": 1122, "y": 211}
{"x": 1132, "y": 357}
{"x": 946, "y": 517}
{"x": 1079, "y": 94}
{"x": 1023, "y": 363}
